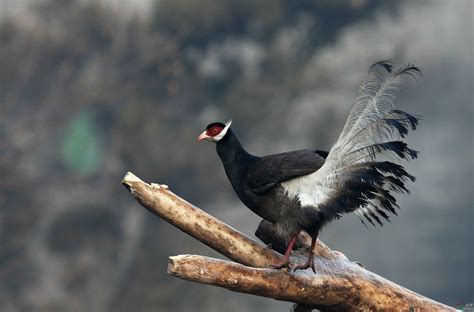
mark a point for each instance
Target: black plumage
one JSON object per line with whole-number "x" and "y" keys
{"x": 303, "y": 190}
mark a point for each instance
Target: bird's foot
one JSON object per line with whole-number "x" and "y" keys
{"x": 307, "y": 264}
{"x": 280, "y": 265}
{"x": 286, "y": 258}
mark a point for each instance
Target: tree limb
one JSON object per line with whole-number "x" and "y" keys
{"x": 219, "y": 236}
{"x": 338, "y": 285}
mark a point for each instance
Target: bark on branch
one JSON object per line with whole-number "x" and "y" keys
{"x": 338, "y": 285}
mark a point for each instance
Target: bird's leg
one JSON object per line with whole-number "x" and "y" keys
{"x": 310, "y": 262}
{"x": 286, "y": 258}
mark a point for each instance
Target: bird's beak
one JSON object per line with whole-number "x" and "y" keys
{"x": 203, "y": 136}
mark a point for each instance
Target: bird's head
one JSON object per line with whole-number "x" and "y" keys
{"x": 215, "y": 131}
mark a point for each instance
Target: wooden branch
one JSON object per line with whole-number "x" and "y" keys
{"x": 338, "y": 285}
{"x": 347, "y": 288}
{"x": 219, "y": 236}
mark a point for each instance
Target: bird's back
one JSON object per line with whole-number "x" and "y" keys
{"x": 262, "y": 191}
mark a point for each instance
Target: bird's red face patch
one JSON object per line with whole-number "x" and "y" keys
{"x": 214, "y": 130}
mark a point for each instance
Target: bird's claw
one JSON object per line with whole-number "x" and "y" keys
{"x": 281, "y": 265}
{"x": 308, "y": 264}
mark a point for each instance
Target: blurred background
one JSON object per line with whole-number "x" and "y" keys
{"x": 92, "y": 89}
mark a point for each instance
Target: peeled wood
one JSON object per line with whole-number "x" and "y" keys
{"x": 339, "y": 285}
{"x": 358, "y": 291}
{"x": 219, "y": 236}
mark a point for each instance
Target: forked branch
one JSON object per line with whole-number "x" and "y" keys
{"x": 338, "y": 285}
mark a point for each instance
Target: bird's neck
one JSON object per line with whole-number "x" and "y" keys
{"x": 234, "y": 158}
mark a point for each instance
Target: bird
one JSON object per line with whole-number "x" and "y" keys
{"x": 304, "y": 190}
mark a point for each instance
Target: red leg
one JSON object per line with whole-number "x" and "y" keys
{"x": 286, "y": 258}
{"x": 310, "y": 262}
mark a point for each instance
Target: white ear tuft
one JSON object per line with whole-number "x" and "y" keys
{"x": 223, "y": 132}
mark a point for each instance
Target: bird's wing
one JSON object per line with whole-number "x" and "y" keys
{"x": 353, "y": 178}
{"x": 270, "y": 170}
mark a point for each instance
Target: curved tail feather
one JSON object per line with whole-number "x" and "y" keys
{"x": 352, "y": 178}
